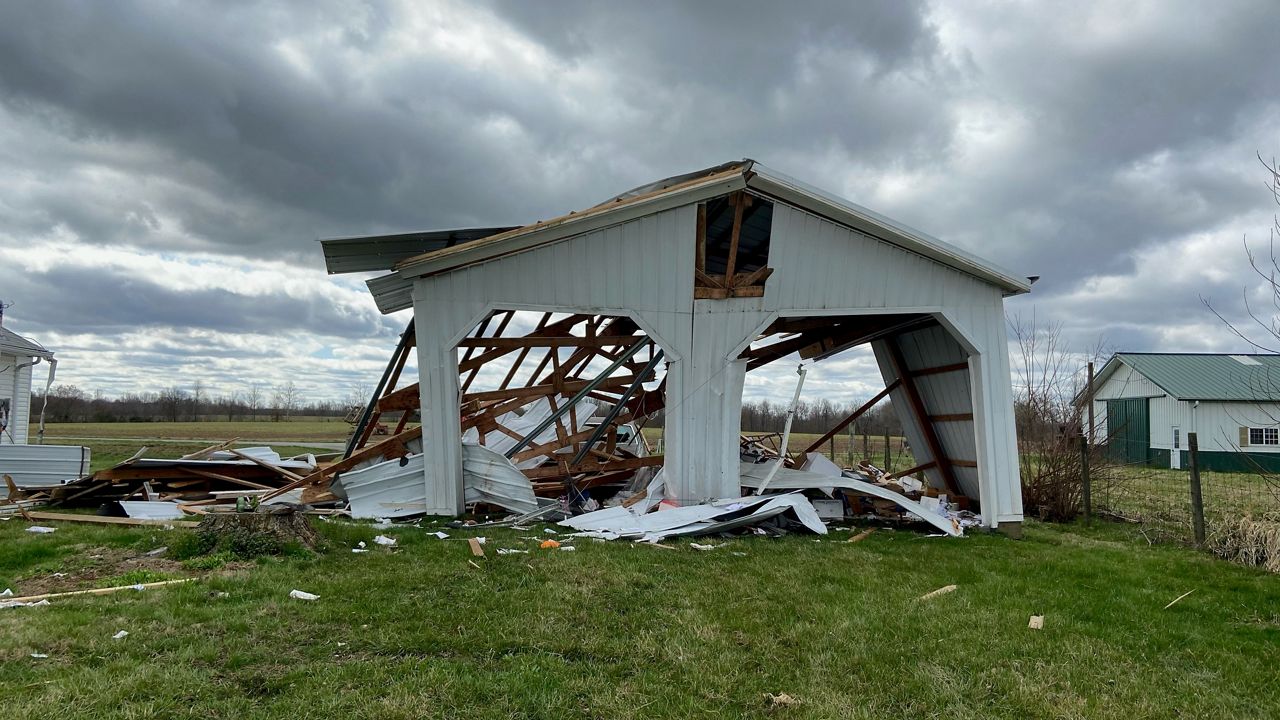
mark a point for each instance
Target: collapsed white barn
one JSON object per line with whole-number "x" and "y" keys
{"x": 706, "y": 264}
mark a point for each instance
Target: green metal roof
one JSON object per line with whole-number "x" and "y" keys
{"x": 1196, "y": 376}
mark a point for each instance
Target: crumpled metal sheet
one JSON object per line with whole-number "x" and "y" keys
{"x": 693, "y": 520}
{"x": 787, "y": 479}
{"x": 395, "y": 488}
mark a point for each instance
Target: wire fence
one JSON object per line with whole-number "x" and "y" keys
{"x": 1174, "y": 499}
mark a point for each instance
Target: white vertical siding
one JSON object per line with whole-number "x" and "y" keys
{"x": 644, "y": 268}
{"x": 1126, "y": 382}
{"x": 15, "y": 385}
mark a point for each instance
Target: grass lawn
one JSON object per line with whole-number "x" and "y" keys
{"x": 615, "y": 630}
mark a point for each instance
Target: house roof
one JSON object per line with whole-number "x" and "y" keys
{"x": 1204, "y": 376}
{"x": 11, "y": 343}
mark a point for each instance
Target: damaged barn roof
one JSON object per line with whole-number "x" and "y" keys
{"x": 451, "y": 249}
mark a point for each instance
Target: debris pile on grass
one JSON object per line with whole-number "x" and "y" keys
{"x": 1248, "y": 540}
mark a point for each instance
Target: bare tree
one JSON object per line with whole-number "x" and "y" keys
{"x": 254, "y": 400}
{"x": 286, "y": 399}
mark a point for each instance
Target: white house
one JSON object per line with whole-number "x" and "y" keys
{"x": 18, "y": 356}
{"x": 1146, "y": 403}
{"x": 665, "y": 255}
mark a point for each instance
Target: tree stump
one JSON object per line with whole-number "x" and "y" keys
{"x": 266, "y": 527}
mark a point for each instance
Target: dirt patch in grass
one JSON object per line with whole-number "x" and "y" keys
{"x": 94, "y": 566}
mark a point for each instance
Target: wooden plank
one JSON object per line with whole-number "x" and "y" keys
{"x": 551, "y": 341}
{"x": 700, "y": 254}
{"x": 405, "y": 399}
{"x": 625, "y": 464}
{"x": 202, "y": 454}
{"x": 536, "y": 391}
{"x": 910, "y": 470}
{"x": 227, "y": 479}
{"x": 476, "y": 548}
{"x": 963, "y": 464}
{"x": 954, "y": 367}
{"x": 739, "y": 204}
{"x": 263, "y": 463}
{"x": 752, "y": 278}
{"x": 852, "y": 417}
{"x": 952, "y": 417}
{"x": 98, "y": 591}
{"x": 702, "y": 279}
{"x": 102, "y": 520}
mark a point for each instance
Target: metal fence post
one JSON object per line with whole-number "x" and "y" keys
{"x": 1086, "y": 488}
{"x": 1197, "y": 500}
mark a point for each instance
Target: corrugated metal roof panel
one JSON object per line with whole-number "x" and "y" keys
{"x": 382, "y": 252}
{"x": 43, "y": 465}
{"x": 1195, "y": 376}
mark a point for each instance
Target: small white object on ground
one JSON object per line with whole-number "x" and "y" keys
{"x": 512, "y": 551}
{"x": 549, "y": 531}
{"x": 120, "y": 635}
{"x": 39, "y": 655}
{"x": 1036, "y": 622}
{"x": 40, "y": 529}
{"x": 359, "y": 550}
{"x": 384, "y": 540}
{"x": 700, "y": 546}
{"x": 158, "y": 551}
{"x": 8, "y": 592}
{"x": 300, "y": 595}
{"x": 360, "y": 544}
{"x": 940, "y": 591}
{"x": 567, "y": 548}
{"x": 442, "y": 536}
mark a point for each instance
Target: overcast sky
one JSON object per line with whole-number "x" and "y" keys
{"x": 165, "y": 168}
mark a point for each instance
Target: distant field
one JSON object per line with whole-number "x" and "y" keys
{"x": 326, "y": 430}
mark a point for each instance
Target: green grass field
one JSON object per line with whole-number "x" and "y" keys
{"x": 615, "y": 630}
{"x": 321, "y": 430}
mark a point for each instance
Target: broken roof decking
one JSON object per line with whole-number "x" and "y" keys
{"x": 1204, "y": 376}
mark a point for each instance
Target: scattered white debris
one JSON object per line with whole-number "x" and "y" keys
{"x": 58, "y": 575}
{"x": 442, "y": 536}
{"x": 360, "y": 544}
{"x": 359, "y": 550}
{"x": 300, "y": 595}
{"x": 567, "y": 548}
{"x": 549, "y": 531}
{"x": 8, "y": 592}
{"x": 39, "y": 655}
{"x": 739, "y": 554}
{"x": 158, "y": 551}
{"x": 19, "y": 603}
{"x": 479, "y": 540}
{"x": 700, "y": 546}
{"x": 41, "y": 529}
{"x": 512, "y": 551}
{"x": 139, "y": 587}
{"x": 384, "y": 540}
{"x": 120, "y": 635}
{"x": 1036, "y": 622}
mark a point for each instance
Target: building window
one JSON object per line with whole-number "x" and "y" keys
{"x": 1264, "y": 436}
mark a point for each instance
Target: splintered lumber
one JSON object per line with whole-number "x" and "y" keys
{"x": 102, "y": 520}
{"x": 589, "y": 467}
{"x": 202, "y": 454}
{"x": 270, "y": 466}
{"x": 476, "y": 548}
{"x": 940, "y": 591}
{"x": 97, "y": 591}
{"x": 861, "y": 536}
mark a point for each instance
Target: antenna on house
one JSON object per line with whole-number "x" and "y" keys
{"x": 3, "y": 305}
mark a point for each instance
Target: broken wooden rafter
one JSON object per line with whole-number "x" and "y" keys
{"x": 853, "y": 416}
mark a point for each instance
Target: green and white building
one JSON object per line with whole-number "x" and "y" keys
{"x": 1146, "y": 403}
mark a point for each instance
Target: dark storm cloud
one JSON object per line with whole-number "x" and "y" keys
{"x": 79, "y": 299}
{"x": 1084, "y": 143}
